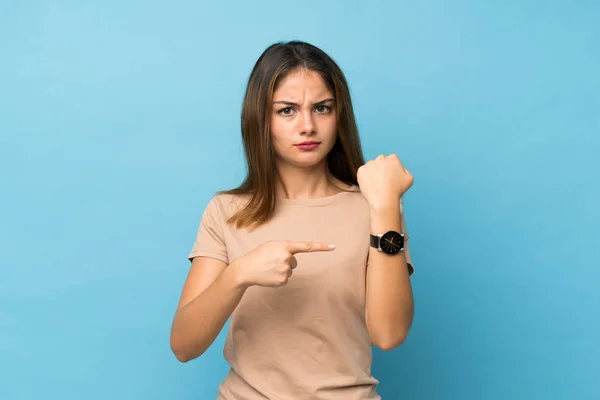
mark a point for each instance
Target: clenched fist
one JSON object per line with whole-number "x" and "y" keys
{"x": 384, "y": 180}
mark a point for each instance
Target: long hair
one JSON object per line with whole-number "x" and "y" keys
{"x": 344, "y": 159}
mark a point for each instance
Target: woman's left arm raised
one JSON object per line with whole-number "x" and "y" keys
{"x": 389, "y": 299}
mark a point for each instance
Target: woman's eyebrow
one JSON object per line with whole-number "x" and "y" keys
{"x": 291, "y": 103}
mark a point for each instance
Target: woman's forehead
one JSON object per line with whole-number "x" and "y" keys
{"x": 302, "y": 85}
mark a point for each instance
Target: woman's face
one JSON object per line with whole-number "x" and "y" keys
{"x": 303, "y": 119}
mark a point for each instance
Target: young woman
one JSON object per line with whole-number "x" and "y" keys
{"x": 309, "y": 255}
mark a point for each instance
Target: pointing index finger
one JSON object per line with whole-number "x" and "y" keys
{"x": 309, "y": 247}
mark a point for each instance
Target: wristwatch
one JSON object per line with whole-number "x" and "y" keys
{"x": 390, "y": 242}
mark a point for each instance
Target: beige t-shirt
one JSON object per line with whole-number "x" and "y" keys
{"x": 307, "y": 339}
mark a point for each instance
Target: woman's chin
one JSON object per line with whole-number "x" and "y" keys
{"x": 306, "y": 161}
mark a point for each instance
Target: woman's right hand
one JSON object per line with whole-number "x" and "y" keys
{"x": 272, "y": 263}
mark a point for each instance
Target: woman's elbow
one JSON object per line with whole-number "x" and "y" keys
{"x": 389, "y": 340}
{"x": 180, "y": 348}
{"x": 390, "y": 343}
{"x": 182, "y": 353}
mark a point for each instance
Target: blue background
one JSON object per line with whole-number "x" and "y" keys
{"x": 120, "y": 119}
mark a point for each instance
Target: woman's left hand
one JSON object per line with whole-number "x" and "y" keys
{"x": 384, "y": 180}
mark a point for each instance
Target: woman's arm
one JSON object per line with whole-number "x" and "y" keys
{"x": 389, "y": 304}
{"x": 213, "y": 290}
{"x": 210, "y": 294}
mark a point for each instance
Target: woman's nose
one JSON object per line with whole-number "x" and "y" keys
{"x": 307, "y": 123}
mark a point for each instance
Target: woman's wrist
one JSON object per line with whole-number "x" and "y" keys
{"x": 235, "y": 275}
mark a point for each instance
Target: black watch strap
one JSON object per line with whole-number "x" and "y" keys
{"x": 375, "y": 241}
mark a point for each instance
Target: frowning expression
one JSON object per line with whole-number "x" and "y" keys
{"x": 303, "y": 119}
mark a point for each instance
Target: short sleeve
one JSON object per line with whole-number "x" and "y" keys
{"x": 210, "y": 241}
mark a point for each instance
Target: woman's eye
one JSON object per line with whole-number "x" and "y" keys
{"x": 318, "y": 109}
{"x": 285, "y": 111}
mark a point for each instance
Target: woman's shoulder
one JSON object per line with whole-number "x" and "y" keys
{"x": 228, "y": 203}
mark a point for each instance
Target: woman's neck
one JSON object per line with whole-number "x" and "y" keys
{"x": 303, "y": 183}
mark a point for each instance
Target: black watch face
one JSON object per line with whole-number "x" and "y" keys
{"x": 391, "y": 242}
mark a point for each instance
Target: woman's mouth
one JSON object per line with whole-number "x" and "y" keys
{"x": 307, "y": 146}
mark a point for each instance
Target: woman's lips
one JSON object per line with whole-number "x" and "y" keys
{"x": 307, "y": 146}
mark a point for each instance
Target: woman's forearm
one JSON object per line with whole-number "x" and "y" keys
{"x": 390, "y": 304}
{"x": 197, "y": 324}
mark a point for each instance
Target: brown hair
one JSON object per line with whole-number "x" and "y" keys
{"x": 344, "y": 159}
